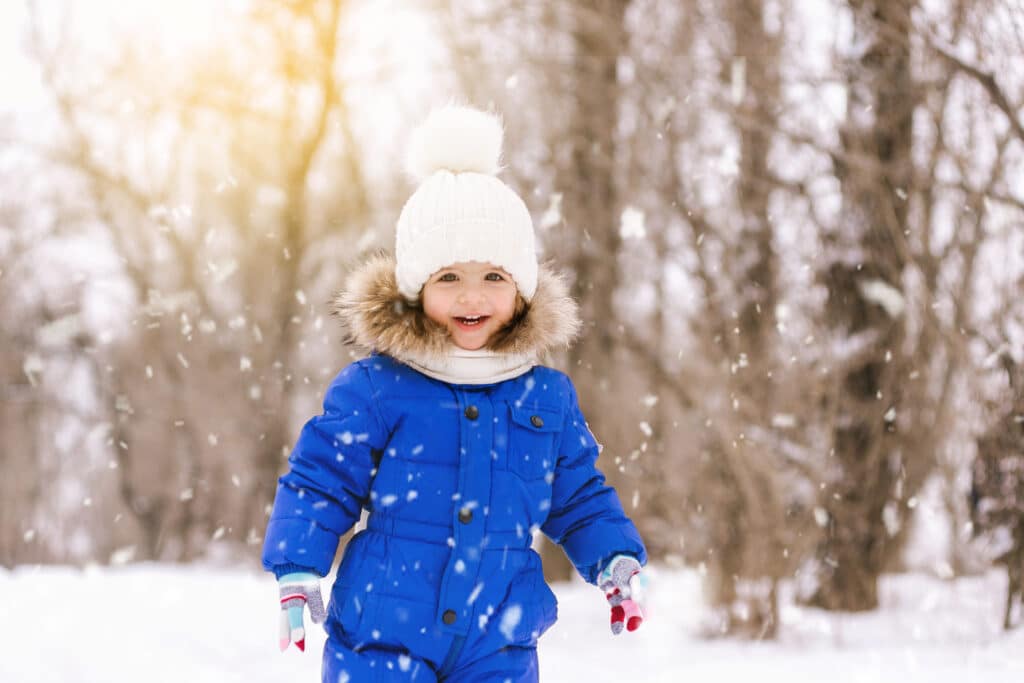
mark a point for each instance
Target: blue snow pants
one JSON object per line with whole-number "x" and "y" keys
{"x": 342, "y": 664}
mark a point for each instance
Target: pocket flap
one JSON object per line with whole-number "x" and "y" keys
{"x": 537, "y": 419}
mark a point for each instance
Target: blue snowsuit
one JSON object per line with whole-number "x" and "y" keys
{"x": 442, "y": 583}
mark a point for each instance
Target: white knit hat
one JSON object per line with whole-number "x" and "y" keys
{"x": 461, "y": 210}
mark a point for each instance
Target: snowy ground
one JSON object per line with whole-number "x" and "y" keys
{"x": 159, "y": 623}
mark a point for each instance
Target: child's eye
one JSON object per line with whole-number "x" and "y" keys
{"x": 447, "y": 277}
{"x": 494, "y": 277}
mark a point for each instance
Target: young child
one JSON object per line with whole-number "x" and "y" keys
{"x": 455, "y": 439}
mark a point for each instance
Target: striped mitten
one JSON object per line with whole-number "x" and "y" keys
{"x": 298, "y": 590}
{"x": 620, "y": 581}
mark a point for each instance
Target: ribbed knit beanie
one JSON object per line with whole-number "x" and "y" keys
{"x": 461, "y": 211}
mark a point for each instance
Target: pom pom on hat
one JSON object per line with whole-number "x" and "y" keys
{"x": 461, "y": 211}
{"x": 457, "y": 139}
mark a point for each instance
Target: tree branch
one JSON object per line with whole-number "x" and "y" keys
{"x": 987, "y": 81}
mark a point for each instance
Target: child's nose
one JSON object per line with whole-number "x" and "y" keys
{"x": 470, "y": 294}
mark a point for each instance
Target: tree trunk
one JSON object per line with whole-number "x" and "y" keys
{"x": 753, "y": 512}
{"x": 21, "y": 449}
{"x": 865, "y": 309}
{"x": 591, "y": 204}
{"x": 284, "y": 325}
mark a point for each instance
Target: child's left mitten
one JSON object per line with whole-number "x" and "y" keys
{"x": 298, "y": 590}
{"x": 621, "y": 580}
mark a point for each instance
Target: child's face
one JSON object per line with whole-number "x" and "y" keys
{"x": 472, "y": 299}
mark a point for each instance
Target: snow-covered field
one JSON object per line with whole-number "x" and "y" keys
{"x": 159, "y": 623}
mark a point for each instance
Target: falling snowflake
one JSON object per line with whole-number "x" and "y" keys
{"x": 883, "y": 294}
{"x": 553, "y": 215}
{"x": 475, "y": 594}
{"x": 631, "y": 224}
{"x": 510, "y": 618}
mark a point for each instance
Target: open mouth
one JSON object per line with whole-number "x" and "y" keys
{"x": 471, "y": 320}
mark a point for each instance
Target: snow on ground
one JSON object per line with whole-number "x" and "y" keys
{"x": 161, "y": 623}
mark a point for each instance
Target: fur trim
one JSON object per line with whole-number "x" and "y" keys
{"x": 377, "y": 318}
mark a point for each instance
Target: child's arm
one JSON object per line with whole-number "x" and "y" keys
{"x": 586, "y": 516}
{"x": 331, "y": 470}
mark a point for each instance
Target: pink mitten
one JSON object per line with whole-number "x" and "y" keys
{"x": 298, "y": 591}
{"x": 619, "y": 581}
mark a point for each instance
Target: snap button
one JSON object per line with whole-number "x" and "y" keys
{"x": 472, "y": 412}
{"x": 537, "y": 421}
{"x": 448, "y": 617}
{"x": 465, "y": 515}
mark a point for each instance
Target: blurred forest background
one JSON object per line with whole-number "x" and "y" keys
{"x": 795, "y": 227}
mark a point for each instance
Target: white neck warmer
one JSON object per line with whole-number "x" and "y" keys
{"x": 460, "y": 366}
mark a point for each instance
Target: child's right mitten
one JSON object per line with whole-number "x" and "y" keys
{"x": 298, "y": 590}
{"x": 620, "y": 581}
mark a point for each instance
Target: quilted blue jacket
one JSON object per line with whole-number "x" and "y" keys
{"x": 456, "y": 479}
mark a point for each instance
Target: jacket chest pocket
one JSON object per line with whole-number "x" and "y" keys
{"x": 533, "y": 437}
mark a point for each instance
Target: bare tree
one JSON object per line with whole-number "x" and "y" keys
{"x": 997, "y": 490}
{"x": 21, "y": 396}
{"x": 865, "y": 312}
{"x": 591, "y": 205}
{"x": 210, "y": 377}
{"x": 317, "y": 69}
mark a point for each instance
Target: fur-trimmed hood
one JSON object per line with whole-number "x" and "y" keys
{"x": 377, "y": 318}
